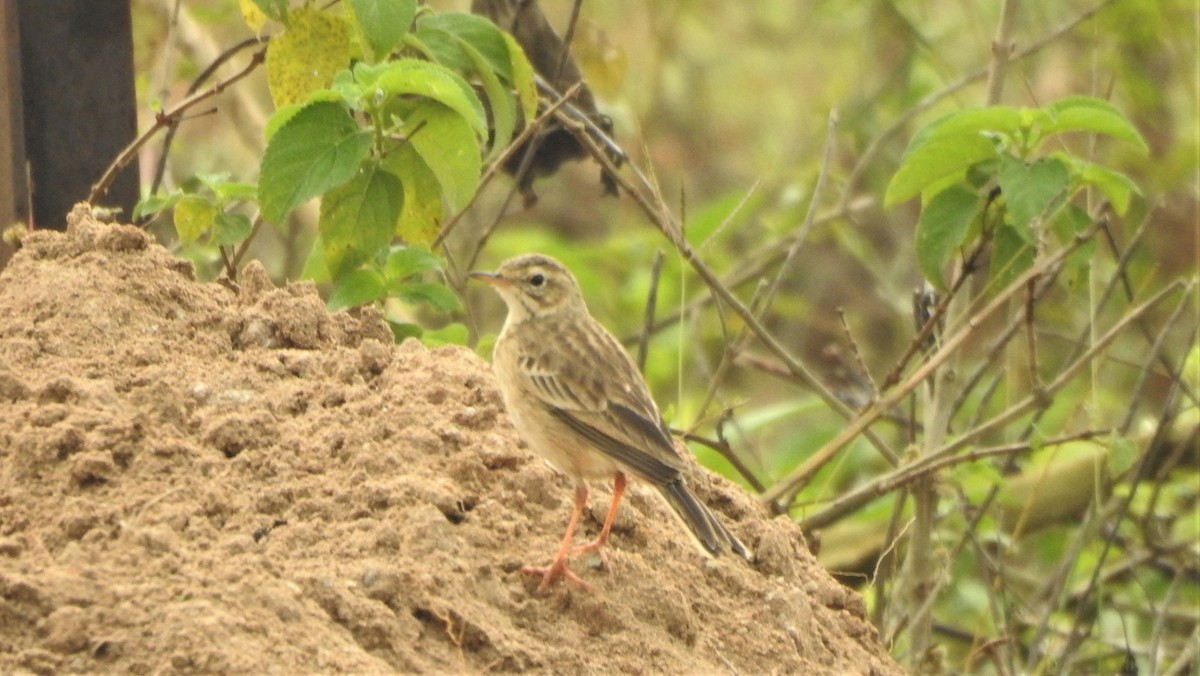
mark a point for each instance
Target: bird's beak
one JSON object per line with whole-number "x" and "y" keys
{"x": 489, "y": 278}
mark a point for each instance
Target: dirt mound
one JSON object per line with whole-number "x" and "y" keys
{"x": 200, "y": 479}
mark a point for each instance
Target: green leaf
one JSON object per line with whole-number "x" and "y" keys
{"x": 450, "y": 334}
{"x": 410, "y": 76}
{"x": 444, "y": 34}
{"x": 383, "y": 22}
{"x": 154, "y": 204}
{"x": 356, "y": 288}
{"x": 193, "y": 217}
{"x": 276, "y": 9}
{"x": 319, "y": 148}
{"x": 522, "y": 79}
{"x": 230, "y": 229}
{"x": 1117, "y": 187}
{"x": 1088, "y": 114}
{"x": 444, "y": 140}
{"x": 500, "y": 100}
{"x": 437, "y": 295}
{"x": 279, "y": 118}
{"x": 403, "y": 330}
{"x": 941, "y": 229}
{"x": 404, "y": 262}
{"x": 951, "y": 145}
{"x": 421, "y": 218}
{"x": 1011, "y": 256}
{"x": 357, "y": 218}
{"x": 315, "y": 46}
{"x": 235, "y": 192}
{"x": 1031, "y": 190}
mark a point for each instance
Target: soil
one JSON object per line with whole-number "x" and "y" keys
{"x": 197, "y": 478}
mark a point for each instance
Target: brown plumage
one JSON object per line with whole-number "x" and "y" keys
{"x": 579, "y": 401}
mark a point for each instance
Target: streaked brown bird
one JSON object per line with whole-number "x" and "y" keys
{"x": 579, "y": 401}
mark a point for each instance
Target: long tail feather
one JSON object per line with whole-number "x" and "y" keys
{"x": 708, "y": 531}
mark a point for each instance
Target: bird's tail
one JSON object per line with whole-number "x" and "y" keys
{"x": 710, "y": 533}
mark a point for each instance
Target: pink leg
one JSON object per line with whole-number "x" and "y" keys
{"x": 597, "y": 545}
{"x": 559, "y": 566}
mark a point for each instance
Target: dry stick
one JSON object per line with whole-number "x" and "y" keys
{"x": 1057, "y": 583}
{"x": 161, "y": 168}
{"x": 662, "y": 218}
{"x": 800, "y": 476}
{"x": 1123, "y": 503}
{"x": 922, "y": 579}
{"x": 1160, "y": 620}
{"x": 868, "y": 155}
{"x": 162, "y": 119}
{"x": 769, "y": 255}
{"x": 1183, "y": 662}
{"x": 940, "y": 459}
{"x": 651, "y": 304}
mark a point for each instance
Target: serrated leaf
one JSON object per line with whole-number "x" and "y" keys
{"x": 403, "y": 262}
{"x": 421, "y": 219}
{"x": 442, "y": 32}
{"x": 193, "y": 217}
{"x": 1089, "y": 114}
{"x": 355, "y": 288}
{"x": 319, "y": 148}
{"x": 522, "y": 79}
{"x": 446, "y": 144}
{"x": 383, "y": 22}
{"x": 278, "y": 119}
{"x": 410, "y": 76}
{"x": 941, "y": 228}
{"x": 951, "y": 145}
{"x": 315, "y": 46}
{"x": 230, "y": 229}
{"x": 437, "y": 295}
{"x": 357, "y": 218}
{"x": 1031, "y": 190}
{"x": 500, "y": 100}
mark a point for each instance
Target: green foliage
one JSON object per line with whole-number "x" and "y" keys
{"x": 209, "y": 205}
{"x": 391, "y": 144}
{"x": 953, "y": 159}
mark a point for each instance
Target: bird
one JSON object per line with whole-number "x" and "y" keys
{"x": 576, "y": 397}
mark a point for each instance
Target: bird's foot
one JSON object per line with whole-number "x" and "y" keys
{"x": 553, "y": 571}
{"x": 596, "y": 546}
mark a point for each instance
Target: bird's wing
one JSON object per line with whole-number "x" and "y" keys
{"x": 597, "y": 391}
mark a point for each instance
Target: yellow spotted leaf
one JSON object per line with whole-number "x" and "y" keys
{"x": 315, "y": 46}
{"x": 253, "y": 16}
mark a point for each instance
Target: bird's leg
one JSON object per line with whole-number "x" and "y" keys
{"x": 597, "y": 545}
{"x": 559, "y": 565}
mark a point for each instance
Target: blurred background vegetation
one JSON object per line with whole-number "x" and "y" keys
{"x": 730, "y": 107}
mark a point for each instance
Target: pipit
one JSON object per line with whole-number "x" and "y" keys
{"x": 576, "y": 397}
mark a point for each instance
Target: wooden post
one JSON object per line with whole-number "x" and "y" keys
{"x": 80, "y": 107}
{"x": 14, "y": 203}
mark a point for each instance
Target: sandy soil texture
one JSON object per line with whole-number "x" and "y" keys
{"x": 202, "y": 479}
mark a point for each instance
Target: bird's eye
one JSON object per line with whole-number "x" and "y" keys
{"x": 538, "y": 279}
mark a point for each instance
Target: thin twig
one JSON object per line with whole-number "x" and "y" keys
{"x": 661, "y": 217}
{"x": 164, "y": 119}
{"x": 801, "y": 475}
{"x": 651, "y": 304}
